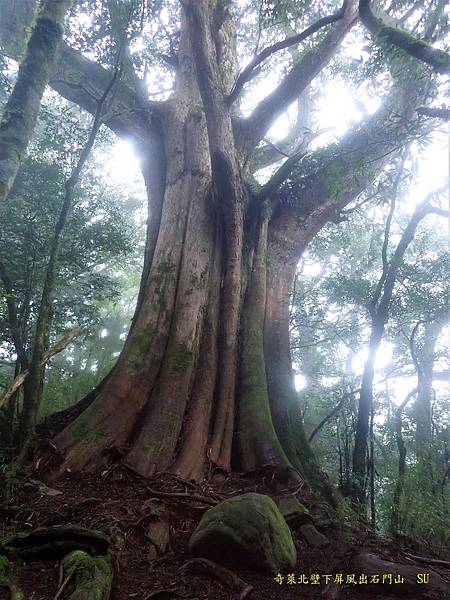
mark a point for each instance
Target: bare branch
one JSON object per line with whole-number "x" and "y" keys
{"x": 441, "y": 375}
{"x": 58, "y": 347}
{"x": 331, "y": 414}
{"x": 280, "y": 176}
{"x": 434, "y": 112}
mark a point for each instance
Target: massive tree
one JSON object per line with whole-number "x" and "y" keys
{"x": 205, "y": 374}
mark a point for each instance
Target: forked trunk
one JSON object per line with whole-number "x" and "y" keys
{"x": 197, "y": 383}
{"x": 205, "y": 375}
{"x": 161, "y": 405}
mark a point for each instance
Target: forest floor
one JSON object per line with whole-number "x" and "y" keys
{"x": 117, "y": 503}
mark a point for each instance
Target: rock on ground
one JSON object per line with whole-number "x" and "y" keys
{"x": 247, "y": 529}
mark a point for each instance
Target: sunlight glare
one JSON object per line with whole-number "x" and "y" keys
{"x": 383, "y": 358}
{"x": 122, "y": 164}
{"x": 300, "y": 382}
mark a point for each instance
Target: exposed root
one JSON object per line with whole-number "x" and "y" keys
{"x": 48, "y": 543}
{"x": 372, "y": 565}
{"x": 225, "y": 576}
{"x": 183, "y": 496}
{"x": 426, "y": 560}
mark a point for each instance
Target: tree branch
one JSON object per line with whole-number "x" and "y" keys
{"x": 249, "y": 72}
{"x": 387, "y": 229}
{"x": 434, "y": 112}
{"x": 279, "y": 176}
{"x": 422, "y": 210}
{"x": 441, "y": 375}
{"x": 58, "y": 347}
{"x": 252, "y": 129}
{"x": 330, "y": 415}
{"x": 382, "y": 27}
{"x": 77, "y": 78}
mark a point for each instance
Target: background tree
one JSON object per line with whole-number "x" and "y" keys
{"x": 97, "y": 233}
{"x": 330, "y": 334}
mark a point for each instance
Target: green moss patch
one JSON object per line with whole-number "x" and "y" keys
{"x": 87, "y": 577}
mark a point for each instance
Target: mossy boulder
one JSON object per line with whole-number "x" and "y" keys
{"x": 87, "y": 577}
{"x": 245, "y": 530}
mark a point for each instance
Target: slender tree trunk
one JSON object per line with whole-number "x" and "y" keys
{"x": 425, "y": 363}
{"x": 34, "y": 384}
{"x": 379, "y": 309}
{"x": 21, "y": 110}
{"x": 394, "y": 520}
{"x": 360, "y": 451}
{"x": 424, "y": 357}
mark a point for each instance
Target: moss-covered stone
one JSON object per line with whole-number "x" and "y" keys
{"x": 247, "y": 529}
{"x": 87, "y": 577}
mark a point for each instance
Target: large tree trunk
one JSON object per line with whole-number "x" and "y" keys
{"x": 197, "y": 344}
{"x": 205, "y": 375}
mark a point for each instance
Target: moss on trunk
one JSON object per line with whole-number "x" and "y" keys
{"x": 20, "y": 113}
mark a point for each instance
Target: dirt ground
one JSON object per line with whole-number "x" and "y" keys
{"x": 117, "y": 503}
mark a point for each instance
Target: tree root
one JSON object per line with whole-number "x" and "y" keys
{"x": 50, "y": 543}
{"x": 225, "y": 576}
{"x": 371, "y": 564}
{"x": 425, "y": 560}
{"x": 183, "y": 496}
